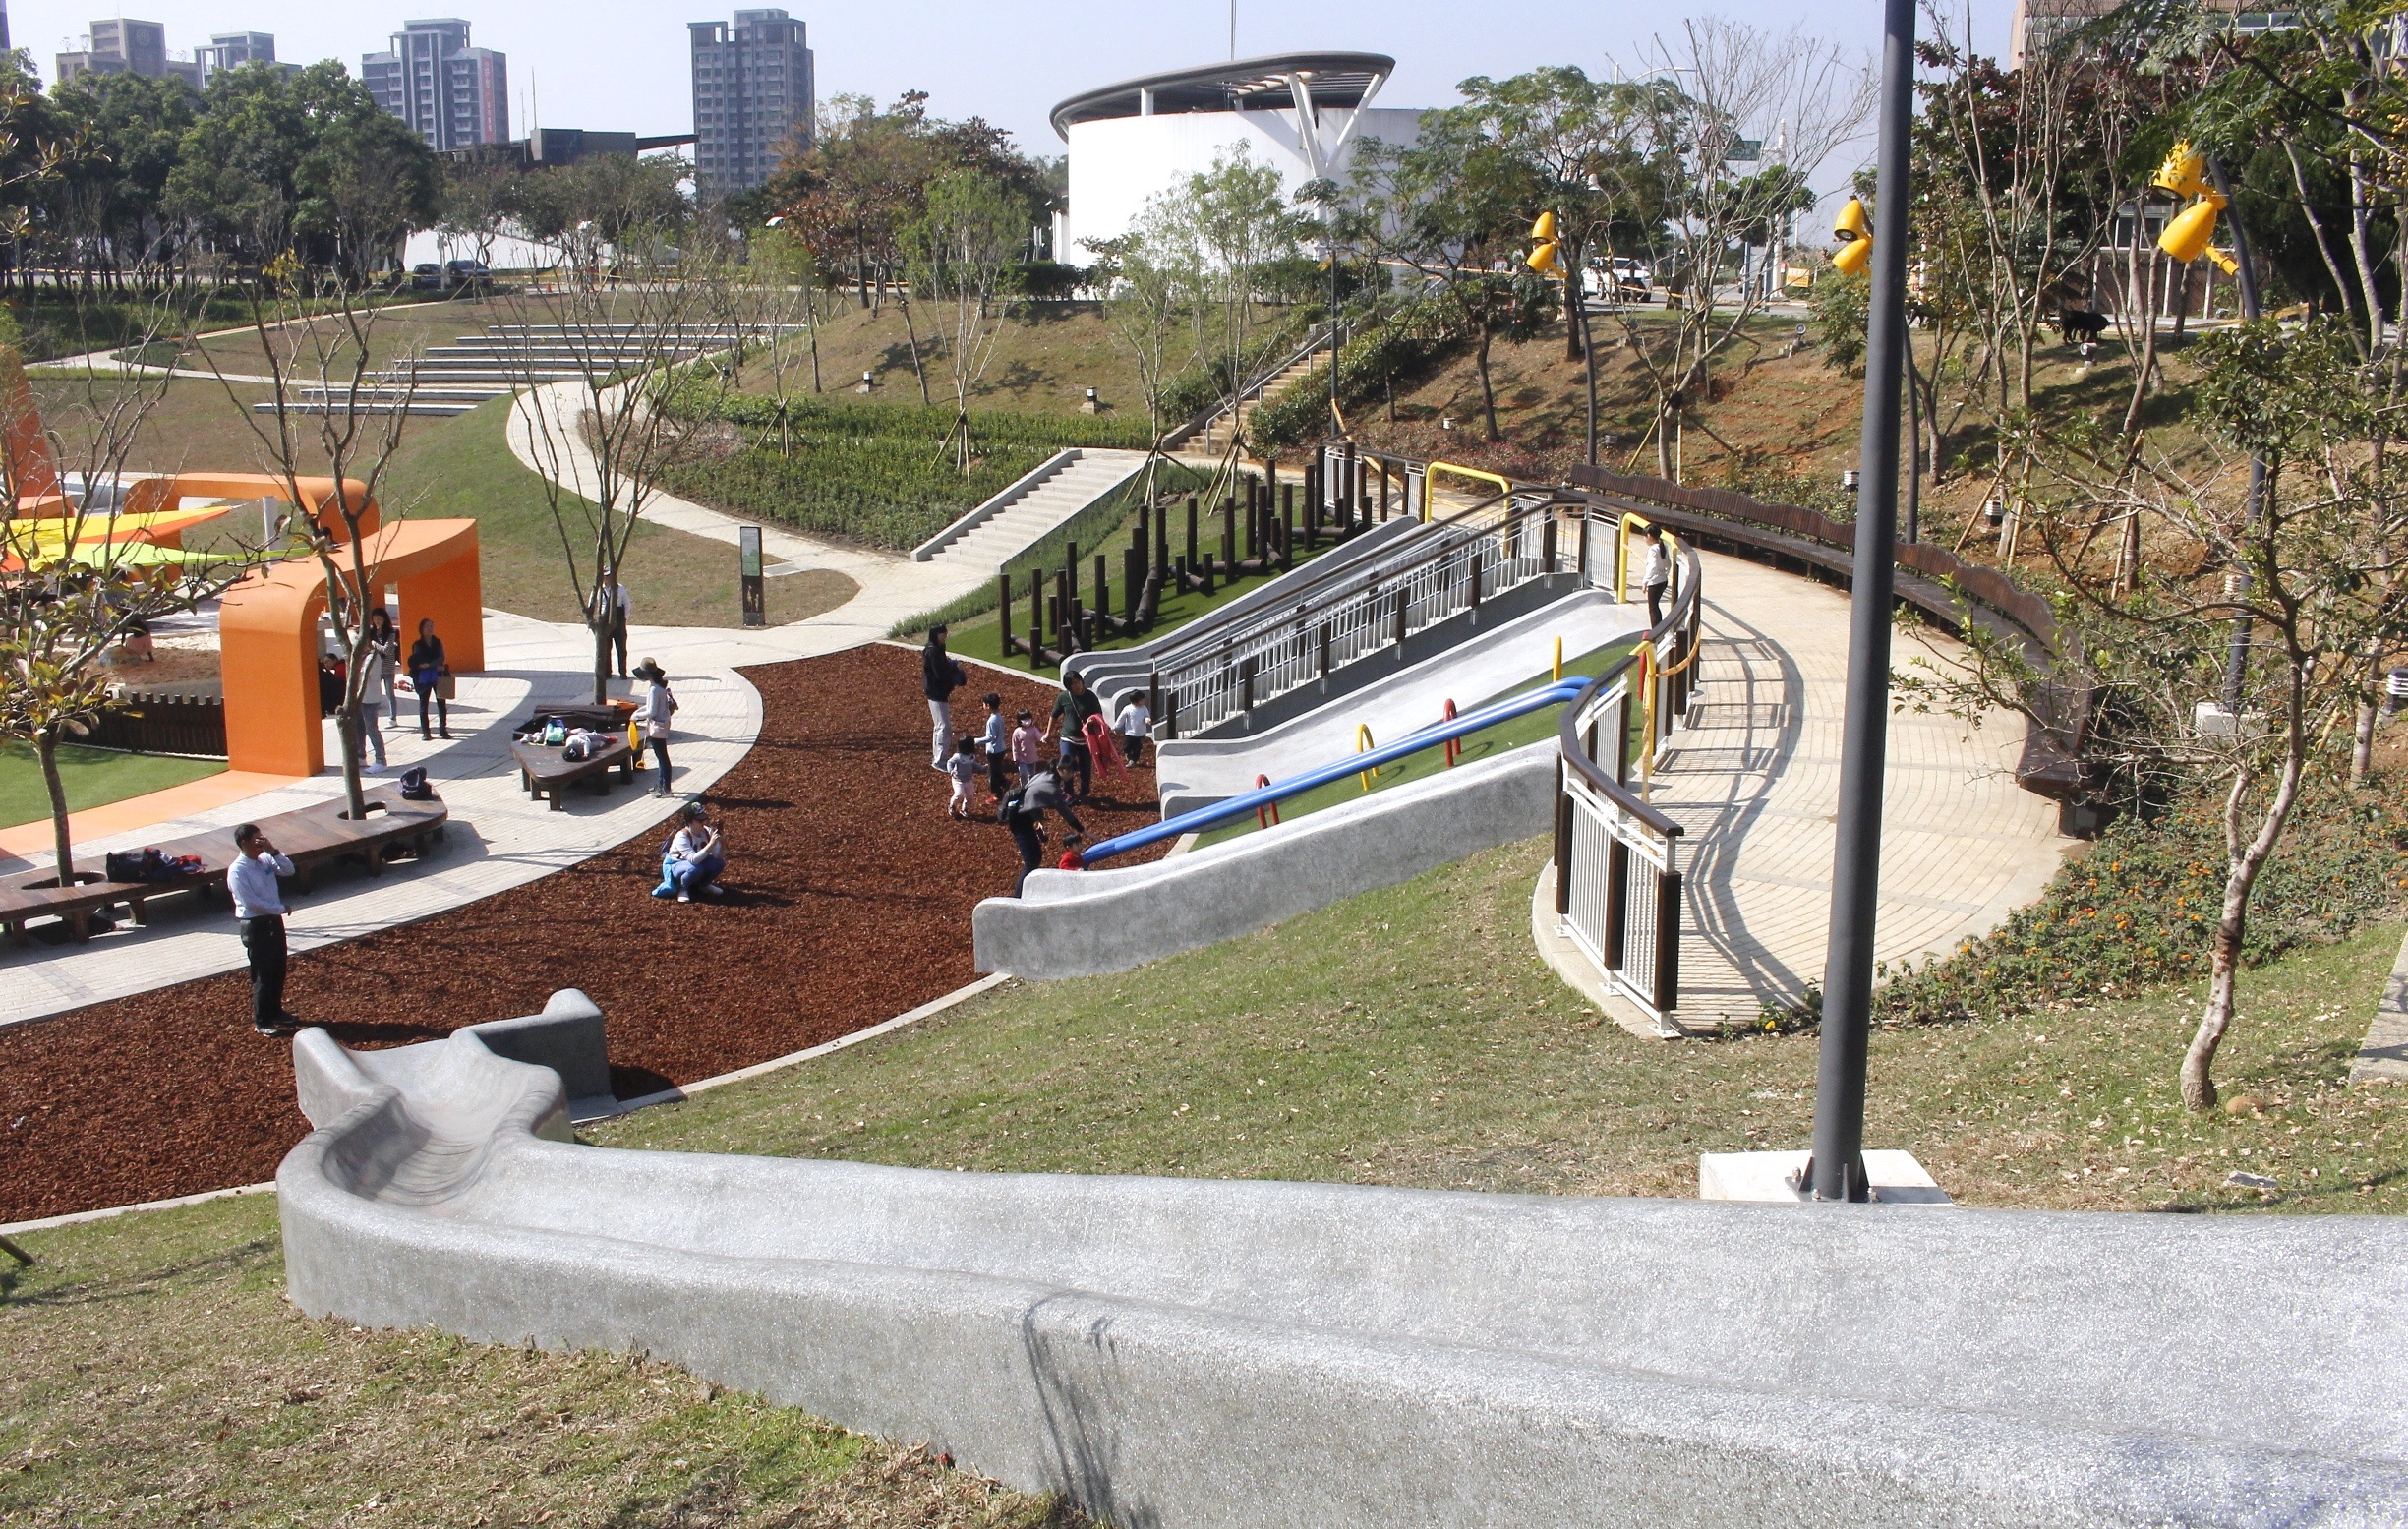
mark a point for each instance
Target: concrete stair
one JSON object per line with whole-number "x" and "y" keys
{"x": 1035, "y": 513}
{"x": 1213, "y": 438}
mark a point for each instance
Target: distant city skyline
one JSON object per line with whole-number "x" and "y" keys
{"x": 611, "y": 63}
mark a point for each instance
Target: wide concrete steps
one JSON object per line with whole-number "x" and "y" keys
{"x": 1038, "y": 512}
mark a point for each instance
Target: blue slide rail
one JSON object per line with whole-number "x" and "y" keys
{"x": 1434, "y": 735}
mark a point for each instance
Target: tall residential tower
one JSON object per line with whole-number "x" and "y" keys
{"x": 453, "y": 94}
{"x": 752, "y": 94}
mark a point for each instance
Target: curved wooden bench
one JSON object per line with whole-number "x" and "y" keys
{"x": 310, "y": 837}
{"x": 543, "y": 773}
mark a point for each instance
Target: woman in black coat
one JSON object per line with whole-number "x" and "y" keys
{"x": 427, "y": 671}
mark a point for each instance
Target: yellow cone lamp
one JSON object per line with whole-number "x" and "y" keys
{"x": 1855, "y": 235}
{"x": 2191, "y": 233}
{"x": 1542, "y": 257}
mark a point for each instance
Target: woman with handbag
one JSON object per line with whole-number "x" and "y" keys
{"x": 430, "y": 673}
{"x": 653, "y": 717}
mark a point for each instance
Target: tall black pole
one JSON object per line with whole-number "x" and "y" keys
{"x": 2236, "y": 664}
{"x": 1837, "y": 1171}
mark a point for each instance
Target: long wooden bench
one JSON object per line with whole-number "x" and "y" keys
{"x": 542, "y": 772}
{"x": 310, "y": 837}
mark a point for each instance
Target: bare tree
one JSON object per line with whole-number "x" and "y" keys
{"x": 76, "y": 576}
{"x": 963, "y": 251}
{"x": 602, "y": 437}
{"x": 339, "y": 407}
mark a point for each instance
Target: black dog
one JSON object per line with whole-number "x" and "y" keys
{"x": 2078, "y": 323}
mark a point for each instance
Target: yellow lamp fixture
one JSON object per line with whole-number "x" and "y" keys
{"x": 1542, "y": 257}
{"x": 2191, "y": 233}
{"x": 1855, "y": 235}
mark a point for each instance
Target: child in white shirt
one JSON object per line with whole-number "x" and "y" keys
{"x": 964, "y": 768}
{"x": 1133, "y": 724}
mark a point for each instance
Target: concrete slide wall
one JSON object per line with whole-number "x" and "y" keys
{"x": 1202, "y": 1353}
{"x": 1078, "y": 924}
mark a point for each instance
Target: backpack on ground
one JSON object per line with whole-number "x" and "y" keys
{"x": 414, "y": 784}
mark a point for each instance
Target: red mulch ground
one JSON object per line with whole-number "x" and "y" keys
{"x": 851, "y": 901}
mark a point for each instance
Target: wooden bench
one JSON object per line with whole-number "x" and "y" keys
{"x": 310, "y": 837}
{"x": 544, "y": 774}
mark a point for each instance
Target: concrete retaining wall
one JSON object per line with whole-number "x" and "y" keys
{"x": 1078, "y": 924}
{"x": 1198, "y": 1353}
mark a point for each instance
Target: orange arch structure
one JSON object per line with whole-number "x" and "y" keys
{"x": 267, "y": 631}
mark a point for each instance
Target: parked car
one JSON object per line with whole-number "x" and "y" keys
{"x": 427, "y": 277}
{"x": 466, "y": 273}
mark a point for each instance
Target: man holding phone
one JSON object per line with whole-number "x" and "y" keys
{"x": 259, "y": 909}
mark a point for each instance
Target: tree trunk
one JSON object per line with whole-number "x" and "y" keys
{"x": 911, "y": 335}
{"x": 2241, "y": 878}
{"x": 1488, "y": 387}
{"x": 46, "y": 745}
{"x": 1572, "y": 294}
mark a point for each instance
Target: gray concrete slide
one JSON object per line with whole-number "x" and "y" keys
{"x": 1193, "y": 1353}
{"x": 1196, "y": 773}
{"x": 1082, "y": 922}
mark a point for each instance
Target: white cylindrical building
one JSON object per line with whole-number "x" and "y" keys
{"x": 1302, "y": 113}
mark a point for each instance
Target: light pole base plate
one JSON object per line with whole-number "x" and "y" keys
{"x": 1772, "y": 1178}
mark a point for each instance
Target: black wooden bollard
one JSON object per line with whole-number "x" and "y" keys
{"x": 1193, "y": 557}
{"x": 1104, "y": 592}
{"x": 1070, "y": 572}
{"x": 1011, "y": 644}
{"x": 1036, "y": 613}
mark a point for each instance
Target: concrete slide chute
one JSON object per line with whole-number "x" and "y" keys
{"x": 1198, "y": 1352}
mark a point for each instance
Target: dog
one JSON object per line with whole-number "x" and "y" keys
{"x": 2079, "y": 324}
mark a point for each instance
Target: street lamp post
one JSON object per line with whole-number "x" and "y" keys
{"x": 1836, "y": 1169}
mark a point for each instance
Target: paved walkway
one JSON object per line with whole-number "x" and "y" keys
{"x": 1756, "y": 786}
{"x": 497, "y": 838}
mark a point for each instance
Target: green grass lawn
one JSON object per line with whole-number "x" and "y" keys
{"x": 93, "y": 777}
{"x": 463, "y": 466}
{"x": 156, "y": 1376}
{"x": 1411, "y": 1036}
{"x": 1486, "y": 744}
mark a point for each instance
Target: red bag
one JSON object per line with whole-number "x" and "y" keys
{"x": 1103, "y": 746}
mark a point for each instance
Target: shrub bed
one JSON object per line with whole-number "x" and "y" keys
{"x": 2141, "y": 908}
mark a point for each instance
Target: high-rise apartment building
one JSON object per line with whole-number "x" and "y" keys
{"x": 453, "y": 94}
{"x": 753, "y": 95}
{"x": 118, "y": 46}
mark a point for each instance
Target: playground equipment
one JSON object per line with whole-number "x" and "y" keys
{"x": 267, "y": 629}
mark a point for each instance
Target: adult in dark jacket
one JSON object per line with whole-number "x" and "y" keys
{"x": 429, "y": 667}
{"x": 939, "y": 678}
{"x": 1072, "y": 707}
{"x": 1024, "y": 818}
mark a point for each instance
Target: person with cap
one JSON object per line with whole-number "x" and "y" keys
{"x": 610, "y": 614}
{"x": 258, "y": 910}
{"x": 653, "y": 717}
{"x": 1024, "y": 812}
{"x": 694, "y": 857}
{"x": 939, "y": 678}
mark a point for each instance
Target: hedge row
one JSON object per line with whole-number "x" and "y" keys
{"x": 1392, "y": 353}
{"x": 816, "y": 419}
{"x": 887, "y": 492}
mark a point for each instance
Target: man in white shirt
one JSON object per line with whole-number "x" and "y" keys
{"x": 259, "y": 907}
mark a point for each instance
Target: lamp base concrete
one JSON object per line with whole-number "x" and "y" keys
{"x": 1773, "y": 1178}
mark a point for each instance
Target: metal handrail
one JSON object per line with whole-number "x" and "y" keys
{"x": 1435, "y": 736}
{"x": 1575, "y": 750}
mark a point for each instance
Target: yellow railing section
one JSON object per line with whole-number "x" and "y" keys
{"x": 1430, "y": 480}
{"x": 1363, "y": 746}
{"x": 1621, "y": 564}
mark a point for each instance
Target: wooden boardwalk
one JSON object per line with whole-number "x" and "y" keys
{"x": 1756, "y": 786}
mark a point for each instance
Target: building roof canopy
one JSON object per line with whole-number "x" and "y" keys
{"x": 1335, "y": 80}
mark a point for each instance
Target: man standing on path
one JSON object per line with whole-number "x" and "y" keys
{"x": 611, "y": 601}
{"x": 259, "y": 909}
{"x": 939, "y": 678}
{"x": 1024, "y": 812}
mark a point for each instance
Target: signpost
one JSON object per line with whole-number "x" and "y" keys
{"x": 748, "y": 564}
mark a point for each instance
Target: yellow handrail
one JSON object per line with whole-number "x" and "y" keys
{"x": 1363, "y": 746}
{"x": 1621, "y": 564}
{"x": 1558, "y": 674}
{"x": 1430, "y": 477}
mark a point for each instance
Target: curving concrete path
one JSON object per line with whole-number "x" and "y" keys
{"x": 1205, "y": 1352}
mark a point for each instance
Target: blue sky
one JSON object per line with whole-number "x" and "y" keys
{"x": 611, "y": 64}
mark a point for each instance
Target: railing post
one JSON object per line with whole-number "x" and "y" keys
{"x": 1171, "y": 714}
{"x": 1563, "y": 842}
{"x": 1546, "y": 544}
{"x": 1586, "y": 520}
{"x": 1383, "y": 493}
{"x": 1404, "y": 596}
{"x": 1668, "y": 936}
{"x": 1617, "y": 902}
{"x": 1324, "y": 676}
{"x": 1246, "y": 686}
{"x": 1153, "y": 694}
{"x": 1475, "y": 565}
